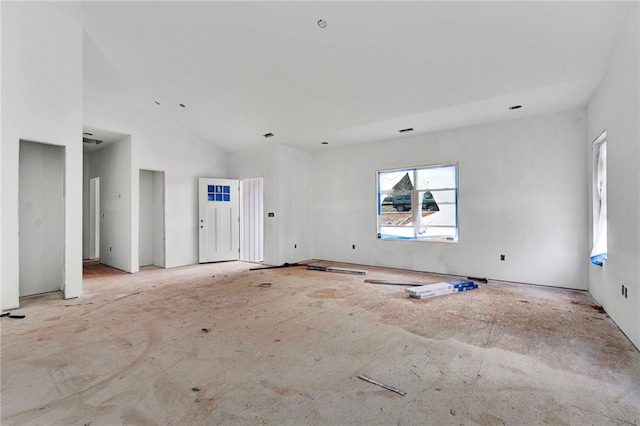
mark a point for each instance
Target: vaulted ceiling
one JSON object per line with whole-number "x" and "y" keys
{"x": 244, "y": 69}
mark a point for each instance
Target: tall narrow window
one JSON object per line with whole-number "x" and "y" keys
{"x": 599, "y": 250}
{"x": 419, "y": 203}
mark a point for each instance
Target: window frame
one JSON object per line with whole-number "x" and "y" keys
{"x": 416, "y": 192}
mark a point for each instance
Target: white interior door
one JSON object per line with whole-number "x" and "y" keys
{"x": 219, "y": 220}
{"x": 251, "y": 220}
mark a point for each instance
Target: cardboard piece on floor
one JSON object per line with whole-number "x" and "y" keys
{"x": 438, "y": 289}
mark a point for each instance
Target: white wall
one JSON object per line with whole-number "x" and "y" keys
{"x": 296, "y": 197}
{"x": 522, "y": 193}
{"x": 41, "y": 217}
{"x": 41, "y": 101}
{"x": 151, "y": 221}
{"x": 616, "y": 108}
{"x": 161, "y": 145}
{"x": 112, "y": 164}
{"x": 145, "y": 224}
{"x": 288, "y": 192}
{"x": 85, "y": 207}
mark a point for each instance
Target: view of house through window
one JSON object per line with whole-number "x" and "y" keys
{"x": 419, "y": 203}
{"x": 599, "y": 250}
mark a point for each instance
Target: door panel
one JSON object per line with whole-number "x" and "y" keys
{"x": 218, "y": 221}
{"x": 251, "y": 220}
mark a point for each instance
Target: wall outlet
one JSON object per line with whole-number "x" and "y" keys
{"x": 502, "y": 257}
{"x": 295, "y": 246}
{"x": 353, "y": 246}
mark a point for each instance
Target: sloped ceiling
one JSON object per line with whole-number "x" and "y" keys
{"x": 243, "y": 69}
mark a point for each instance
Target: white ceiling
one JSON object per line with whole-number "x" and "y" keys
{"x": 243, "y": 69}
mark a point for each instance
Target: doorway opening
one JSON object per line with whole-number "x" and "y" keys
{"x": 41, "y": 218}
{"x": 151, "y": 234}
{"x": 252, "y": 220}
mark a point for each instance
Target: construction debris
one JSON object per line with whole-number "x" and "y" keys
{"x": 340, "y": 270}
{"x": 284, "y": 265}
{"x": 375, "y": 382}
{"x": 8, "y": 314}
{"x": 264, "y": 285}
{"x": 438, "y": 289}
{"x": 388, "y": 282}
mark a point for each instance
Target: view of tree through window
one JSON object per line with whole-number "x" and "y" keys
{"x": 432, "y": 189}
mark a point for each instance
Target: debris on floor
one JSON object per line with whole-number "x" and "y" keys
{"x": 284, "y": 265}
{"x": 333, "y": 269}
{"x": 8, "y": 314}
{"x": 375, "y": 382}
{"x": 438, "y": 289}
{"x": 195, "y": 389}
{"x": 480, "y": 280}
{"x": 205, "y": 330}
{"x": 389, "y": 282}
{"x": 264, "y": 285}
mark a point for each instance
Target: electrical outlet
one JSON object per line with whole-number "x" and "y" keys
{"x": 353, "y": 246}
{"x": 502, "y": 257}
{"x": 295, "y": 246}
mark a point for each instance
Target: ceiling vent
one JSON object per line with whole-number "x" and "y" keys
{"x": 91, "y": 141}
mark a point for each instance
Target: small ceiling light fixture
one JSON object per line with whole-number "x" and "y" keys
{"x": 322, "y": 23}
{"x": 408, "y": 129}
{"x": 182, "y": 105}
{"x": 325, "y": 143}
{"x": 268, "y": 135}
{"x": 515, "y": 107}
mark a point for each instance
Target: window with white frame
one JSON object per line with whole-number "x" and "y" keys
{"x": 599, "y": 249}
{"x": 418, "y": 203}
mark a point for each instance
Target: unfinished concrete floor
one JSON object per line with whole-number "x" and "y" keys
{"x": 133, "y": 351}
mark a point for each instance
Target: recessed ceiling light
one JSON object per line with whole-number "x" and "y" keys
{"x": 515, "y": 107}
{"x": 325, "y": 143}
{"x": 182, "y": 105}
{"x": 87, "y": 133}
{"x": 322, "y": 23}
{"x": 268, "y": 135}
{"x": 408, "y": 129}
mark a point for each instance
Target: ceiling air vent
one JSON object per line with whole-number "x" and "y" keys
{"x": 91, "y": 141}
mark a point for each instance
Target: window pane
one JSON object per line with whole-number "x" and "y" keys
{"x": 433, "y": 189}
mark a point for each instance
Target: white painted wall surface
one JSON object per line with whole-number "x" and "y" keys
{"x": 41, "y": 218}
{"x": 296, "y": 197}
{"x": 265, "y": 164}
{"x": 41, "y": 101}
{"x": 522, "y": 193}
{"x": 157, "y": 208}
{"x": 145, "y": 224}
{"x": 615, "y": 107}
{"x": 85, "y": 208}
{"x": 112, "y": 164}
{"x": 287, "y": 194}
{"x": 151, "y": 221}
{"x": 162, "y": 145}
